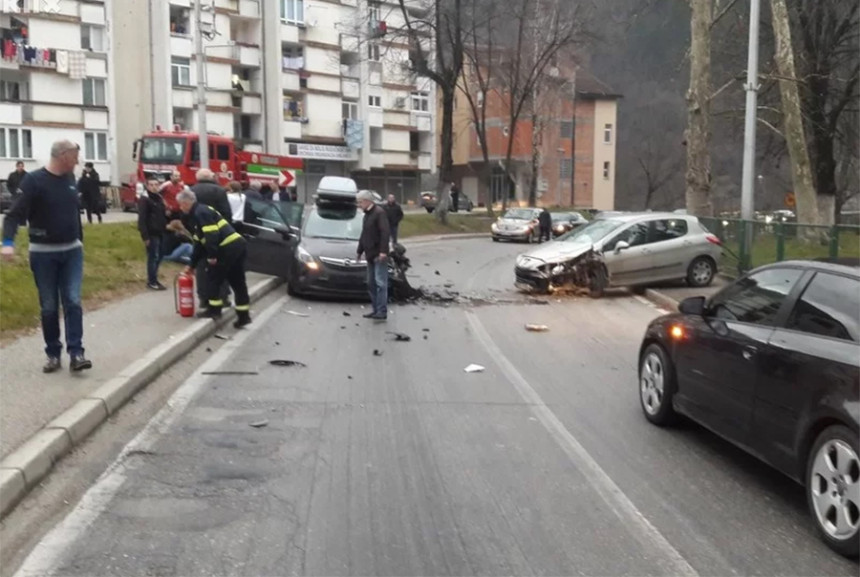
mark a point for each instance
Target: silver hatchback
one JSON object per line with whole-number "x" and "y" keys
{"x": 638, "y": 249}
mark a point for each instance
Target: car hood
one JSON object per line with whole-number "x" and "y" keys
{"x": 513, "y": 221}
{"x": 330, "y": 248}
{"x": 556, "y": 252}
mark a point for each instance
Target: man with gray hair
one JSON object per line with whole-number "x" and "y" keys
{"x": 49, "y": 203}
{"x": 210, "y": 193}
{"x": 373, "y": 244}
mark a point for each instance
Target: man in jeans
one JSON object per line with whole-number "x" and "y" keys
{"x": 152, "y": 224}
{"x": 49, "y": 203}
{"x": 373, "y": 244}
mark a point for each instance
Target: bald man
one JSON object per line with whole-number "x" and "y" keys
{"x": 49, "y": 203}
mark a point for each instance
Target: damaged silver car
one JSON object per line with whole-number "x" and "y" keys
{"x": 621, "y": 251}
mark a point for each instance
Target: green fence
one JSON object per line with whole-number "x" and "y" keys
{"x": 779, "y": 241}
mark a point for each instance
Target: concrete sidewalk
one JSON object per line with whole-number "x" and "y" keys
{"x": 670, "y": 294}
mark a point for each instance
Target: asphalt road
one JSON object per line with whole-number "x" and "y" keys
{"x": 403, "y": 464}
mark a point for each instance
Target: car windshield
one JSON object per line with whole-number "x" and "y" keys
{"x": 163, "y": 150}
{"x": 520, "y": 214}
{"x": 592, "y": 232}
{"x": 341, "y": 222}
{"x": 562, "y": 217}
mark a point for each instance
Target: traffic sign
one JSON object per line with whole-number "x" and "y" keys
{"x": 286, "y": 178}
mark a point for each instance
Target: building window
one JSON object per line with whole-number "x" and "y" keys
{"x": 94, "y": 92}
{"x": 294, "y": 109}
{"x": 565, "y": 168}
{"x": 421, "y": 101}
{"x": 93, "y": 38}
{"x": 350, "y": 110}
{"x": 373, "y": 52}
{"x": 16, "y": 143}
{"x": 95, "y": 146}
{"x": 293, "y": 11}
{"x": 567, "y": 129}
{"x": 606, "y": 170}
{"x": 607, "y": 134}
{"x": 180, "y": 71}
{"x": 293, "y": 58}
{"x": 14, "y": 91}
{"x": 374, "y": 101}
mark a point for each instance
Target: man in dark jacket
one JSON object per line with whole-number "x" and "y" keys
{"x": 224, "y": 250}
{"x": 16, "y": 177}
{"x": 152, "y": 224}
{"x": 91, "y": 192}
{"x": 545, "y": 221}
{"x": 455, "y": 197}
{"x": 395, "y": 215}
{"x": 49, "y": 203}
{"x": 373, "y": 244}
{"x": 209, "y": 193}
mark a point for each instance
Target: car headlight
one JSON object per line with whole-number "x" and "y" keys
{"x": 307, "y": 259}
{"x": 494, "y": 227}
{"x": 557, "y": 269}
{"x": 522, "y": 260}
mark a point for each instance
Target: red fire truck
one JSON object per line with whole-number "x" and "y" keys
{"x": 160, "y": 152}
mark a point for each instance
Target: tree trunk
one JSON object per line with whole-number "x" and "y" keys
{"x": 699, "y": 111}
{"x": 801, "y": 169}
{"x": 536, "y": 157}
{"x": 446, "y": 166}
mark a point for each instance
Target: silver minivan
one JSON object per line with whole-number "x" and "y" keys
{"x": 638, "y": 249}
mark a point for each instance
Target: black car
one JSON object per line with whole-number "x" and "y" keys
{"x": 314, "y": 249}
{"x": 564, "y": 222}
{"x": 6, "y": 198}
{"x": 772, "y": 364}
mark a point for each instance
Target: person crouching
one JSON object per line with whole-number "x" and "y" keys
{"x": 224, "y": 250}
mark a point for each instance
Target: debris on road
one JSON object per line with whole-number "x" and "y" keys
{"x": 346, "y": 314}
{"x": 377, "y": 353}
{"x": 534, "y": 301}
{"x": 222, "y": 337}
{"x": 425, "y": 337}
{"x": 400, "y": 337}
{"x": 426, "y": 330}
{"x": 259, "y": 424}
{"x": 297, "y": 314}
{"x": 283, "y": 363}
{"x": 474, "y": 369}
{"x": 448, "y": 285}
{"x": 438, "y": 273}
{"x": 343, "y": 328}
{"x": 208, "y": 349}
{"x": 349, "y": 377}
{"x": 537, "y": 328}
{"x": 231, "y": 373}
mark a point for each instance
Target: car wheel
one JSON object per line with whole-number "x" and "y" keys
{"x": 656, "y": 385}
{"x": 495, "y": 239}
{"x": 833, "y": 489}
{"x": 597, "y": 284}
{"x": 429, "y": 209}
{"x": 701, "y": 272}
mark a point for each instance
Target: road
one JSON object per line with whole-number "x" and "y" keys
{"x": 110, "y": 216}
{"x": 403, "y": 464}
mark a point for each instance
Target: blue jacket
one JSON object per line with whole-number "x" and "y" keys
{"x": 49, "y": 203}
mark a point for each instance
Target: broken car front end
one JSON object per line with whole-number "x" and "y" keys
{"x": 584, "y": 271}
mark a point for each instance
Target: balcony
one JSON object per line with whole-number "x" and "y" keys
{"x": 249, "y": 8}
{"x": 289, "y": 33}
{"x": 375, "y": 117}
{"x": 232, "y": 5}
{"x": 323, "y": 34}
{"x": 252, "y": 104}
{"x": 397, "y": 158}
{"x": 396, "y": 118}
{"x": 11, "y": 113}
{"x": 183, "y": 98}
{"x": 290, "y": 82}
{"x": 350, "y": 44}
{"x": 181, "y": 46}
{"x": 292, "y": 130}
{"x": 249, "y": 56}
{"x": 422, "y": 122}
{"x": 326, "y": 83}
{"x": 425, "y": 161}
{"x": 52, "y": 113}
{"x": 351, "y": 88}
{"x": 181, "y": 3}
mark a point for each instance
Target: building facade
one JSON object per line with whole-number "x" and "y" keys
{"x": 326, "y": 81}
{"x": 56, "y": 82}
{"x": 576, "y": 143}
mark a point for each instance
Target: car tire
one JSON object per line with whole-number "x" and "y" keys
{"x": 597, "y": 284}
{"x": 701, "y": 272}
{"x": 495, "y": 239}
{"x": 832, "y": 469}
{"x": 428, "y": 209}
{"x": 657, "y": 385}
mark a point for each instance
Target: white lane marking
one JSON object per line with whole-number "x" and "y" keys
{"x": 641, "y": 528}
{"x": 50, "y": 552}
{"x": 651, "y": 304}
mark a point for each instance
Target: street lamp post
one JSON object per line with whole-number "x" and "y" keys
{"x": 752, "y": 86}
{"x": 202, "y": 133}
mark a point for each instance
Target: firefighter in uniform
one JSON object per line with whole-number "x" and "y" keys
{"x": 224, "y": 249}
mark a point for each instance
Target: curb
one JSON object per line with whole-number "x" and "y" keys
{"x": 24, "y": 468}
{"x": 661, "y": 300}
{"x": 431, "y": 238}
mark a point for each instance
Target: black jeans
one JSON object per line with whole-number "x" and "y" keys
{"x": 93, "y": 208}
{"x": 230, "y": 269}
{"x": 153, "y": 258}
{"x": 203, "y": 291}
{"x": 58, "y": 278}
{"x": 545, "y": 232}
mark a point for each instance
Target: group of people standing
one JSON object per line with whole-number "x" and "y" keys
{"x": 89, "y": 188}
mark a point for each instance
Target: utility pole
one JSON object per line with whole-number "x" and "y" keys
{"x": 573, "y": 144}
{"x": 201, "y": 85}
{"x": 751, "y": 87}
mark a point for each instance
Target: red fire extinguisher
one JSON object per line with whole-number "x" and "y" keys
{"x": 183, "y": 293}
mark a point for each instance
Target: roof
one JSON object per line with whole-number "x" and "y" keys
{"x": 849, "y": 266}
{"x": 590, "y": 86}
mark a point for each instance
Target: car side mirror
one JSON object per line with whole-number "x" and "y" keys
{"x": 694, "y": 306}
{"x": 621, "y": 245}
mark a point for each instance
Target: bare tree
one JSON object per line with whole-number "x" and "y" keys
{"x": 442, "y": 20}
{"x": 540, "y": 30}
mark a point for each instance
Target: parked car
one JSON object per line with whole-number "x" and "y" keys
{"x": 770, "y": 363}
{"x": 314, "y": 249}
{"x": 637, "y": 249}
{"x": 429, "y": 201}
{"x": 564, "y": 222}
{"x": 517, "y": 224}
{"x": 6, "y": 198}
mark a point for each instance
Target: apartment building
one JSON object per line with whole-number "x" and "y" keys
{"x": 576, "y": 158}
{"x": 326, "y": 81}
{"x": 55, "y": 82}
